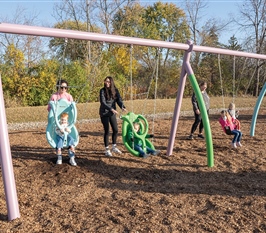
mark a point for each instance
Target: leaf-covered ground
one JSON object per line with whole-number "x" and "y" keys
{"x": 123, "y": 193}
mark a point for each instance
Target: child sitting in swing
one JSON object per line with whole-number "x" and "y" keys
{"x": 234, "y": 115}
{"x": 60, "y": 136}
{"x": 229, "y": 128}
{"x": 137, "y": 143}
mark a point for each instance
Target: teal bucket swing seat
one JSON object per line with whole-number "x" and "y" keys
{"x": 127, "y": 125}
{"x": 57, "y": 108}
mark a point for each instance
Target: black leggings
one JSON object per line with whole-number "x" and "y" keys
{"x": 198, "y": 121}
{"x": 113, "y": 122}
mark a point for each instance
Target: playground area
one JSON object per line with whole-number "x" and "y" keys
{"x": 124, "y": 193}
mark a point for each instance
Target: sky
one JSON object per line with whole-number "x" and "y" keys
{"x": 219, "y": 9}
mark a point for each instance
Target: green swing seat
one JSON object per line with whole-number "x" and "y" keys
{"x": 127, "y": 125}
{"x": 57, "y": 108}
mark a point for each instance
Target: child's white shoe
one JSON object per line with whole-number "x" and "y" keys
{"x": 59, "y": 159}
{"x": 239, "y": 144}
{"x": 72, "y": 161}
{"x": 234, "y": 145}
{"x": 157, "y": 152}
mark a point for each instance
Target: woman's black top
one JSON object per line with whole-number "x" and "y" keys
{"x": 107, "y": 105}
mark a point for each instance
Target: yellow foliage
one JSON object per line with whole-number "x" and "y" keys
{"x": 122, "y": 55}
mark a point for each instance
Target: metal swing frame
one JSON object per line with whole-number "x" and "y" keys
{"x": 8, "y": 176}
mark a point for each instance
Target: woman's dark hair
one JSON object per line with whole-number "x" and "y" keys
{"x": 111, "y": 91}
{"x": 202, "y": 83}
{"x": 60, "y": 82}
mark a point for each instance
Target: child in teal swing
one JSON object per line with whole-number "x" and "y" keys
{"x": 60, "y": 135}
{"x": 137, "y": 143}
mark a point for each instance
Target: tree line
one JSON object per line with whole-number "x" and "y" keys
{"x": 30, "y": 66}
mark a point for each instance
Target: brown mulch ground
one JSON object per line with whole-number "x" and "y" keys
{"x": 123, "y": 193}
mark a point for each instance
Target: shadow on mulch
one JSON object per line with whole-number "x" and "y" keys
{"x": 164, "y": 178}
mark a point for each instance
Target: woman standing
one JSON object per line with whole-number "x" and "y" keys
{"x": 109, "y": 97}
{"x": 198, "y": 119}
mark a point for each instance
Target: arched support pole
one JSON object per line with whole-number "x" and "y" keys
{"x": 186, "y": 69}
{"x": 256, "y": 110}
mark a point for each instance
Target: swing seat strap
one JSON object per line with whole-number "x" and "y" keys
{"x": 65, "y": 139}
{"x": 228, "y": 130}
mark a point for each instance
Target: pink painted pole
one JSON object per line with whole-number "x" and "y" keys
{"x": 63, "y": 33}
{"x": 178, "y": 102}
{"x": 6, "y": 163}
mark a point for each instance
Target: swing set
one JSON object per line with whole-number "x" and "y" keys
{"x": 62, "y": 106}
{"x": 131, "y": 117}
{"x": 5, "y": 155}
{"x": 227, "y": 129}
{"x": 56, "y": 109}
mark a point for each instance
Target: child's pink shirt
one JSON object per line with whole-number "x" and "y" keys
{"x": 226, "y": 123}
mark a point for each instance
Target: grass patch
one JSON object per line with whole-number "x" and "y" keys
{"x": 91, "y": 110}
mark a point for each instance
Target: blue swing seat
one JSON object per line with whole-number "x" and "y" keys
{"x": 57, "y": 108}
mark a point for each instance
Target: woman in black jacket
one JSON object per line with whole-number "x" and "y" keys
{"x": 109, "y": 97}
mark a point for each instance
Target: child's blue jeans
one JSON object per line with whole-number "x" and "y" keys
{"x": 237, "y": 136}
{"x": 140, "y": 150}
{"x": 60, "y": 141}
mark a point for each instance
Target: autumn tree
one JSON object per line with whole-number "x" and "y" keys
{"x": 253, "y": 23}
{"x": 209, "y": 68}
{"x": 194, "y": 11}
{"x": 44, "y": 76}
{"x": 16, "y": 82}
{"x": 202, "y": 33}
{"x": 32, "y": 47}
{"x": 79, "y": 15}
{"x": 159, "y": 21}
{"x": 69, "y": 48}
{"x": 232, "y": 68}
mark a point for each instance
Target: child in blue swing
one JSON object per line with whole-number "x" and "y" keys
{"x": 60, "y": 134}
{"x": 137, "y": 143}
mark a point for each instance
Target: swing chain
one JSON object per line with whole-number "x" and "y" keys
{"x": 62, "y": 62}
{"x": 131, "y": 74}
{"x": 155, "y": 88}
{"x": 234, "y": 78}
{"x": 221, "y": 79}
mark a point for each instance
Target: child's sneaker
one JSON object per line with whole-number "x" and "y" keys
{"x": 239, "y": 144}
{"x": 108, "y": 153}
{"x": 116, "y": 150}
{"x": 190, "y": 137}
{"x": 59, "y": 159}
{"x": 157, "y": 152}
{"x": 72, "y": 161}
{"x": 145, "y": 156}
{"x": 234, "y": 145}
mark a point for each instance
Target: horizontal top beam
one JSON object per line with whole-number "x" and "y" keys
{"x": 81, "y": 35}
